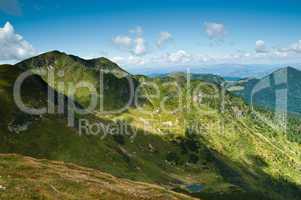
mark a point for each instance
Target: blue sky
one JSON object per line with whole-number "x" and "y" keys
{"x": 154, "y": 33}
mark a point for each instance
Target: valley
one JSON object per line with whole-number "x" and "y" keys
{"x": 202, "y": 136}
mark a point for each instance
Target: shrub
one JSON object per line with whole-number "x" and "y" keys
{"x": 192, "y": 140}
{"x": 119, "y": 139}
{"x": 173, "y": 157}
{"x": 193, "y": 158}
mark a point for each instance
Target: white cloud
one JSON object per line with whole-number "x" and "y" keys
{"x": 140, "y": 47}
{"x": 130, "y": 60}
{"x": 136, "y": 45}
{"x": 280, "y": 54}
{"x": 163, "y": 38}
{"x": 180, "y": 56}
{"x": 135, "y": 60}
{"x": 118, "y": 59}
{"x": 122, "y": 41}
{"x": 295, "y": 48}
{"x": 214, "y": 30}
{"x": 12, "y": 45}
{"x": 260, "y": 47}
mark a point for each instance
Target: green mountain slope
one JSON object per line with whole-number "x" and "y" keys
{"x": 105, "y": 76}
{"x": 215, "y": 144}
{"x": 279, "y": 92}
{"x": 57, "y": 59}
{"x": 47, "y": 136}
{"x": 28, "y": 178}
{"x": 193, "y": 76}
{"x": 265, "y": 89}
{"x": 246, "y": 151}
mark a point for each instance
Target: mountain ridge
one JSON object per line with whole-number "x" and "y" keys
{"x": 170, "y": 151}
{"x": 100, "y": 63}
{"x": 101, "y": 73}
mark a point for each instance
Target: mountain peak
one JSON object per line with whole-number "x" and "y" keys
{"x": 54, "y": 52}
{"x": 51, "y": 53}
{"x": 58, "y": 59}
{"x": 289, "y": 68}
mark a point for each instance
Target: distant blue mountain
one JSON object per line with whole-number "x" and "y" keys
{"x": 225, "y": 70}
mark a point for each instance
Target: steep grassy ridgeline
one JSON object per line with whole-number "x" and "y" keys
{"x": 105, "y": 76}
{"x": 211, "y": 141}
{"x": 57, "y": 59}
{"x": 28, "y": 178}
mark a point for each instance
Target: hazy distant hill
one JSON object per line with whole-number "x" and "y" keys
{"x": 223, "y": 70}
{"x": 193, "y": 76}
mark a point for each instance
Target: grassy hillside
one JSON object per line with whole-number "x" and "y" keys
{"x": 246, "y": 152}
{"x": 106, "y": 77}
{"x": 285, "y": 78}
{"x": 48, "y": 136}
{"x": 28, "y": 178}
{"x": 201, "y": 77}
{"x": 265, "y": 91}
{"x": 57, "y": 59}
{"x": 216, "y": 143}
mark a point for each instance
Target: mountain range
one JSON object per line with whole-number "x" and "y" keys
{"x": 227, "y": 70}
{"x": 214, "y": 149}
